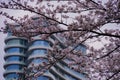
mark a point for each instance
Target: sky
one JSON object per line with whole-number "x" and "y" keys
{"x": 2, "y": 37}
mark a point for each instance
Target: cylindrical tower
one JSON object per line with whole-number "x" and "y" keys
{"x": 37, "y": 54}
{"x": 14, "y": 58}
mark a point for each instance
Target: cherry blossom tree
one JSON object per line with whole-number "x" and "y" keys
{"x": 85, "y": 22}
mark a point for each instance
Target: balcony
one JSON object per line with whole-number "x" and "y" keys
{"x": 13, "y": 62}
{"x": 13, "y": 37}
{"x": 14, "y": 54}
{"x": 72, "y": 72}
{"x": 37, "y": 56}
{"x": 47, "y": 73}
{"x": 15, "y": 45}
{"x": 13, "y": 71}
{"x": 38, "y": 47}
{"x": 57, "y": 73}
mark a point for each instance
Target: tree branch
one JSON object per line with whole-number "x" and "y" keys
{"x": 113, "y": 75}
{"x": 39, "y": 13}
{"x": 61, "y": 31}
{"x": 108, "y": 53}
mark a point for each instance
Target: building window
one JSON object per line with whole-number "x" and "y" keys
{"x": 71, "y": 70}
{"x": 53, "y": 38}
{"x": 81, "y": 48}
{"x": 69, "y": 77}
{"x": 13, "y": 42}
{"x": 23, "y": 42}
{"x": 17, "y": 41}
{"x": 39, "y": 61}
{"x": 39, "y": 52}
{"x": 41, "y": 43}
{"x": 14, "y": 67}
{"x": 15, "y": 50}
{"x": 12, "y": 76}
{"x": 42, "y": 78}
{"x": 15, "y": 58}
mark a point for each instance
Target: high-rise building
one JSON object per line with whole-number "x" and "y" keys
{"x": 21, "y": 53}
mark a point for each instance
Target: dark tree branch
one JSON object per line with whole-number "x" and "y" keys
{"x": 102, "y": 7}
{"x": 108, "y": 53}
{"x": 62, "y": 31}
{"x": 117, "y": 72}
{"x": 106, "y": 34}
{"x": 39, "y": 13}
